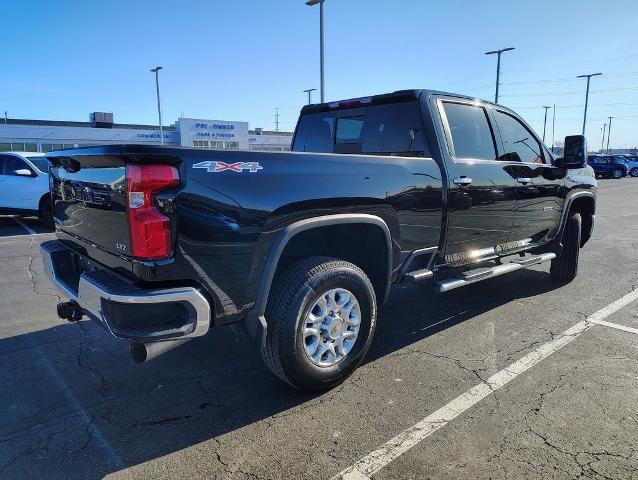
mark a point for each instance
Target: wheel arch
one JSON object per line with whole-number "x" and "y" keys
{"x": 585, "y": 204}
{"x": 293, "y": 236}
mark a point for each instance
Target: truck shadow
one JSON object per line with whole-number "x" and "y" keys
{"x": 73, "y": 394}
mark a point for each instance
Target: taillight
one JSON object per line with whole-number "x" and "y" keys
{"x": 150, "y": 229}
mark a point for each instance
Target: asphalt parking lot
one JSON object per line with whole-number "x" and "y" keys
{"x": 514, "y": 377}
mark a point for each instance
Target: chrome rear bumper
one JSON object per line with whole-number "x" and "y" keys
{"x": 128, "y": 312}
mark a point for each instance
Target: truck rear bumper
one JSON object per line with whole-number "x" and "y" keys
{"x": 125, "y": 310}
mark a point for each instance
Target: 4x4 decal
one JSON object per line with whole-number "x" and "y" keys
{"x": 214, "y": 167}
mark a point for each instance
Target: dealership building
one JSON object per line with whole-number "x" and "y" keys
{"x": 47, "y": 135}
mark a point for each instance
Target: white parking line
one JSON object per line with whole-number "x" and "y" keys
{"x": 616, "y": 325}
{"x": 25, "y": 226}
{"x": 404, "y": 441}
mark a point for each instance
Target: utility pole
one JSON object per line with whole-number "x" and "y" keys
{"x": 309, "y": 92}
{"x": 609, "y": 134}
{"x": 276, "y": 119}
{"x": 602, "y": 144}
{"x": 553, "y": 128}
{"x": 588, "y": 77}
{"x": 498, "y": 67}
{"x": 545, "y": 122}
{"x": 311, "y": 3}
{"x": 159, "y": 106}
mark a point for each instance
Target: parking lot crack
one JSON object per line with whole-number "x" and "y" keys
{"x": 32, "y": 278}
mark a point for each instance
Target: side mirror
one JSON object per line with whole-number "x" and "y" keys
{"x": 23, "y": 172}
{"x": 575, "y": 154}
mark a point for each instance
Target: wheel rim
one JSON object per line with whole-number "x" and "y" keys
{"x": 617, "y": 174}
{"x": 634, "y": 172}
{"x": 331, "y": 327}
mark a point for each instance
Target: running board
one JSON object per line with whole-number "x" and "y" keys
{"x": 478, "y": 274}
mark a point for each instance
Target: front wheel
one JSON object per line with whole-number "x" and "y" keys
{"x": 617, "y": 173}
{"x": 565, "y": 267}
{"x": 634, "y": 172}
{"x": 321, "y": 319}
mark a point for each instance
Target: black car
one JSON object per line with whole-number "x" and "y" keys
{"x": 608, "y": 166}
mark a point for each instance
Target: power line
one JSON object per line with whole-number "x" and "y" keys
{"x": 569, "y": 64}
{"x": 622, "y": 89}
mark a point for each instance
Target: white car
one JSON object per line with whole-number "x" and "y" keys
{"x": 24, "y": 184}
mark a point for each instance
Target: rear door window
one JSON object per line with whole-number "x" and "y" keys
{"x": 470, "y": 131}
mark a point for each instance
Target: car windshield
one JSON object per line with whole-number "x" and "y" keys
{"x": 41, "y": 163}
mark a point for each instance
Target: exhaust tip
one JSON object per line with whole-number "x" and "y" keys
{"x": 143, "y": 352}
{"x": 138, "y": 352}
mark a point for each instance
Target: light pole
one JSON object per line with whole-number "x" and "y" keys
{"x": 588, "y": 77}
{"x": 498, "y": 66}
{"x": 553, "y": 128}
{"x": 602, "y": 144}
{"x": 159, "y": 107}
{"x": 309, "y": 92}
{"x": 545, "y": 122}
{"x": 609, "y": 134}
{"x": 311, "y": 3}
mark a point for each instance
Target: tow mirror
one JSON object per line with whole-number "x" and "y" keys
{"x": 23, "y": 172}
{"x": 575, "y": 153}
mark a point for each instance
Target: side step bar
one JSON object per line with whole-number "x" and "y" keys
{"x": 476, "y": 275}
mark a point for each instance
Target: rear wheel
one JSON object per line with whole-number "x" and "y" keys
{"x": 634, "y": 172}
{"x": 321, "y": 319}
{"x": 565, "y": 267}
{"x": 617, "y": 173}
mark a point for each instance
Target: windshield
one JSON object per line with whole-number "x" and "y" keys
{"x": 41, "y": 163}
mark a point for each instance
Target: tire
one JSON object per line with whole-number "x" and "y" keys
{"x": 565, "y": 267}
{"x": 634, "y": 172}
{"x": 294, "y": 295}
{"x": 46, "y": 212}
{"x": 617, "y": 173}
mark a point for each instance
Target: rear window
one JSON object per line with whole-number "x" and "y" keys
{"x": 393, "y": 129}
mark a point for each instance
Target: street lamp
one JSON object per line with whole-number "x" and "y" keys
{"x": 545, "y": 121}
{"x": 159, "y": 107}
{"x": 602, "y": 144}
{"x": 311, "y": 3}
{"x": 498, "y": 66}
{"x": 609, "y": 134}
{"x": 309, "y": 92}
{"x": 588, "y": 77}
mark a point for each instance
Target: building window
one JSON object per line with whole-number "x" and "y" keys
{"x": 231, "y": 145}
{"x": 5, "y": 147}
{"x": 200, "y": 143}
{"x": 30, "y": 147}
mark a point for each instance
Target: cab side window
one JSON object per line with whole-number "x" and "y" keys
{"x": 519, "y": 144}
{"x": 470, "y": 131}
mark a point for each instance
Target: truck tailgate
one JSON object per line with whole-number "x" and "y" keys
{"x": 90, "y": 198}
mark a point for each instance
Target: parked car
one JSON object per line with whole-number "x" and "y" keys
{"x": 159, "y": 244}
{"x": 631, "y": 163}
{"x": 608, "y": 166}
{"x": 24, "y": 184}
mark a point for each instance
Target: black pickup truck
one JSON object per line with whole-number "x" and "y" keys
{"x": 159, "y": 244}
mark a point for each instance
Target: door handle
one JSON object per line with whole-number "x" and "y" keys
{"x": 523, "y": 180}
{"x": 462, "y": 181}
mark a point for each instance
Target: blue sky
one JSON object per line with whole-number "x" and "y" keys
{"x": 238, "y": 60}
